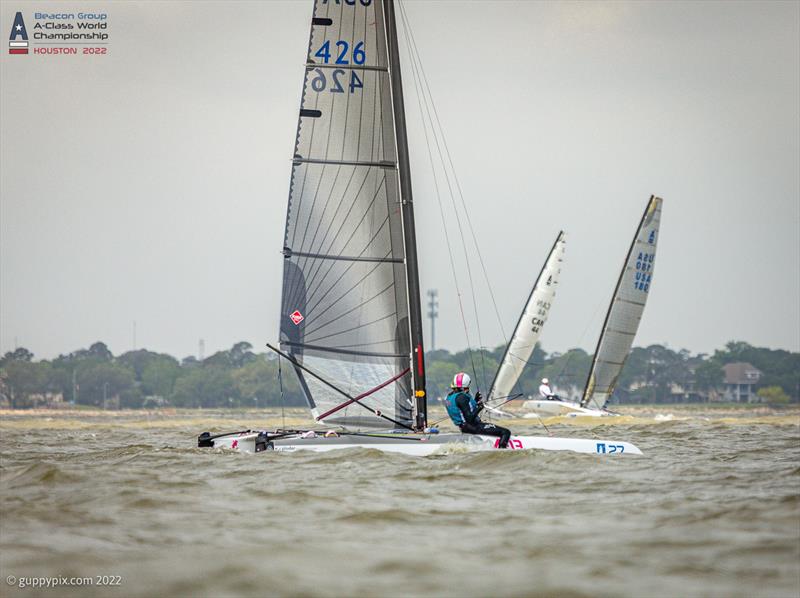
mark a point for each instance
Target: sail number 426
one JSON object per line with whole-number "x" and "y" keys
{"x": 359, "y": 56}
{"x": 341, "y": 54}
{"x": 320, "y": 82}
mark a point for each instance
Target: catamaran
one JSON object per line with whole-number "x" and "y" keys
{"x": 620, "y": 326}
{"x": 351, "y": 322}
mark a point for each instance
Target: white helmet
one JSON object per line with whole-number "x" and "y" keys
{"x": 545, "y": 381}
{"x": 461, "y": 380}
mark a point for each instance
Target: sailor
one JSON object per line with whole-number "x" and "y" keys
{"x": 464, "y": 410}
{"x": 546, "y": 391}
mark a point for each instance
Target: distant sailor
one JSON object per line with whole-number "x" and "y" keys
{"x": 546, "y": 391}
{"x": 464, "y": 410}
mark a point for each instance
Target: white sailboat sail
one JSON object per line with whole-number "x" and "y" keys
{"x": 345, "y": 302}
{"x": 530, "y": 323}
{"x": 625, "y": 311}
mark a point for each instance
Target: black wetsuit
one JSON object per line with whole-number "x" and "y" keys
{"x": 472, "y": 424}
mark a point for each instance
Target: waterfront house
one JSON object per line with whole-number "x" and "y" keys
{"x": 739, "y": 382}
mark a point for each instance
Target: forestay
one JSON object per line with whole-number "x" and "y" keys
{"x": 344, "y": 309}
{"x": 625, "y": 311}
{"x": 530, "y": 323}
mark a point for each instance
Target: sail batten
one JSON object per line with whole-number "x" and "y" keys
{"x": 625, "y": 311}
{"x": 342, "y": 350}
{"x": 298, "y": 160}
{"x": 352, "y": 67}
{"x": 621, "y": 332}
{"x": 345, "y": 303}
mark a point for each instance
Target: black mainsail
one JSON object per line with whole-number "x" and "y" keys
{"x": 350, "y": 308}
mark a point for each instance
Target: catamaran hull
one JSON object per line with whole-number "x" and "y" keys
{"x": 562, "y": 408}
{"x": 420, "y": 445}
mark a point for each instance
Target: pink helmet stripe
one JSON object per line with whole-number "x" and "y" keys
{"x": 459, "y": 380}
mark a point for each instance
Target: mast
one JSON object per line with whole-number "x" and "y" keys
{"x": 417, "y": 356}
{"x": 587, "y": 392}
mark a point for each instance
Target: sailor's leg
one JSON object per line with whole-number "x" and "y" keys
{"x": 505, "y": 436}
{"x": 467, "y": 429}
{"x": 492, "y": 430}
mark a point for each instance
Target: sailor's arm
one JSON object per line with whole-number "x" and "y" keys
{"x": 479, "y": 402}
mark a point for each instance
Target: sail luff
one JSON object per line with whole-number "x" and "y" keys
{"x": 522, "y": 342}
{"x": 288, "y": 297}
{"x": 652, "y": 209}
{"x": 417, "y": 355}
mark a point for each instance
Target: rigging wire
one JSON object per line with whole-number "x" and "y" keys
{"x": 438, "y": 133}
{"x": 418, "y": 88}
{"x": 559, "y": 375}
{"x": 541, "y": 421}
{"x": 455, "y": 178}
{"x": 416, "y": 61}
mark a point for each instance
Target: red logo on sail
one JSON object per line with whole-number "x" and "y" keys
{"x": 297, "y": 317}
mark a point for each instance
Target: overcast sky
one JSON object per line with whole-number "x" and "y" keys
{"x": 150, "y": 184}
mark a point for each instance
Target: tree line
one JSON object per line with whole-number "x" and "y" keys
{"x": 239, "y": 377}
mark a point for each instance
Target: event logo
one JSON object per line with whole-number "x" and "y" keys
{"x": 60, "y": 34}
{"x": 18, "y": 40}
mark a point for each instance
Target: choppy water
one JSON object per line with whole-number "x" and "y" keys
{"x": 712, "y": 509}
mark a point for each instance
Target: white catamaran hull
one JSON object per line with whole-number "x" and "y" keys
{"x": 562, "y": 408}
{"x": 420, "y": 445}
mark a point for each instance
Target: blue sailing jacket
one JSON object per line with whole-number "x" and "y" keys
{"x": 461, "y": 407}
